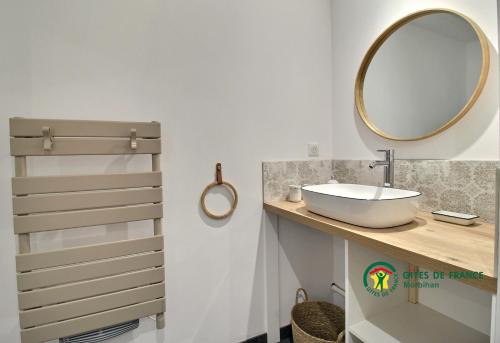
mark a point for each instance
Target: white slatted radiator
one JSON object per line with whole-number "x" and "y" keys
{"x": 70, "y": 291}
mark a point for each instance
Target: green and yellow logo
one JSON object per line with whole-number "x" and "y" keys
{"x": 380, "y": 279}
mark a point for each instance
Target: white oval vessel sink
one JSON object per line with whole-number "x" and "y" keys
{"x": 369, "y": 206}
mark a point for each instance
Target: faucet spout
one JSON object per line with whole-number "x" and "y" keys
{"x": 388, "y": 164}
{"x": 374, "y": 164}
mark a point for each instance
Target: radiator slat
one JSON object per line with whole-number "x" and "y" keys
{"x": 72, "y": 183}
{"x": 27, "y": 127}
{"x": 73, "y": 219}
{"x": 78, "y": 308}
{"x": 83, "y": 146}
{"x": 87, "y": 271}
{"x": 85, "y": 289}
{"x": 53, "y": 258}
{"x": 84, "y": 200}
{"x": 91, "y": 322}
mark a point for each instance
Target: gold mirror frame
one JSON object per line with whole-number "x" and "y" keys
{"x": 360, "y": 78}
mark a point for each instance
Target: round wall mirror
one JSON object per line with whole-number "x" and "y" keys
{"x": 422, "y": 75}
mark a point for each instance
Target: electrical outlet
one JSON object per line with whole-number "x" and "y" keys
{"x": 313, "y": 149}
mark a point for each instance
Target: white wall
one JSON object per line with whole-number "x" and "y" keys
{"x": 305, "y": 260}
{"x": 231, "y": 81}
{"x": 355, "y": 25}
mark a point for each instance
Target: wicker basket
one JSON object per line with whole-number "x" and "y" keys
{"x": 317, "y": 321}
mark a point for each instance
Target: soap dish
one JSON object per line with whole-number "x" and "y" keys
{"x": 455, "y": 218}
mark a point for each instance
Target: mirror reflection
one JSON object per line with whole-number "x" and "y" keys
{"x": 423, "y": 77}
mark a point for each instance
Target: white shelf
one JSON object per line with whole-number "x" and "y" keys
{"x": 410, "y": 323}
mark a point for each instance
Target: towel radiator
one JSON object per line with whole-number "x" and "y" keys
{"x": 70, "y": 291}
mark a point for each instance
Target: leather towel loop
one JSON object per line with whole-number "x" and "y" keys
{"x": 219, "y": 182}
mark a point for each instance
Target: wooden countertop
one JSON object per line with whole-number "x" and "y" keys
{"x": 430, "y": 244}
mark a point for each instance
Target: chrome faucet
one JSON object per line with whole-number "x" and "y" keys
{"x": 388, "y": 164}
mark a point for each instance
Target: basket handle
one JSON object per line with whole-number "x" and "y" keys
{"x": 340, "y": 337}
{"x": 306, "y": 297}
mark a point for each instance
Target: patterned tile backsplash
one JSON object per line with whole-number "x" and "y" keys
{"x": 460, "y": 186}
{"x": 277, "y": 176}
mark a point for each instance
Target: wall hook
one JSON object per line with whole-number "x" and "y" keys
{"x": 48, "y": 140}
{"x": 133, "y": 139}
